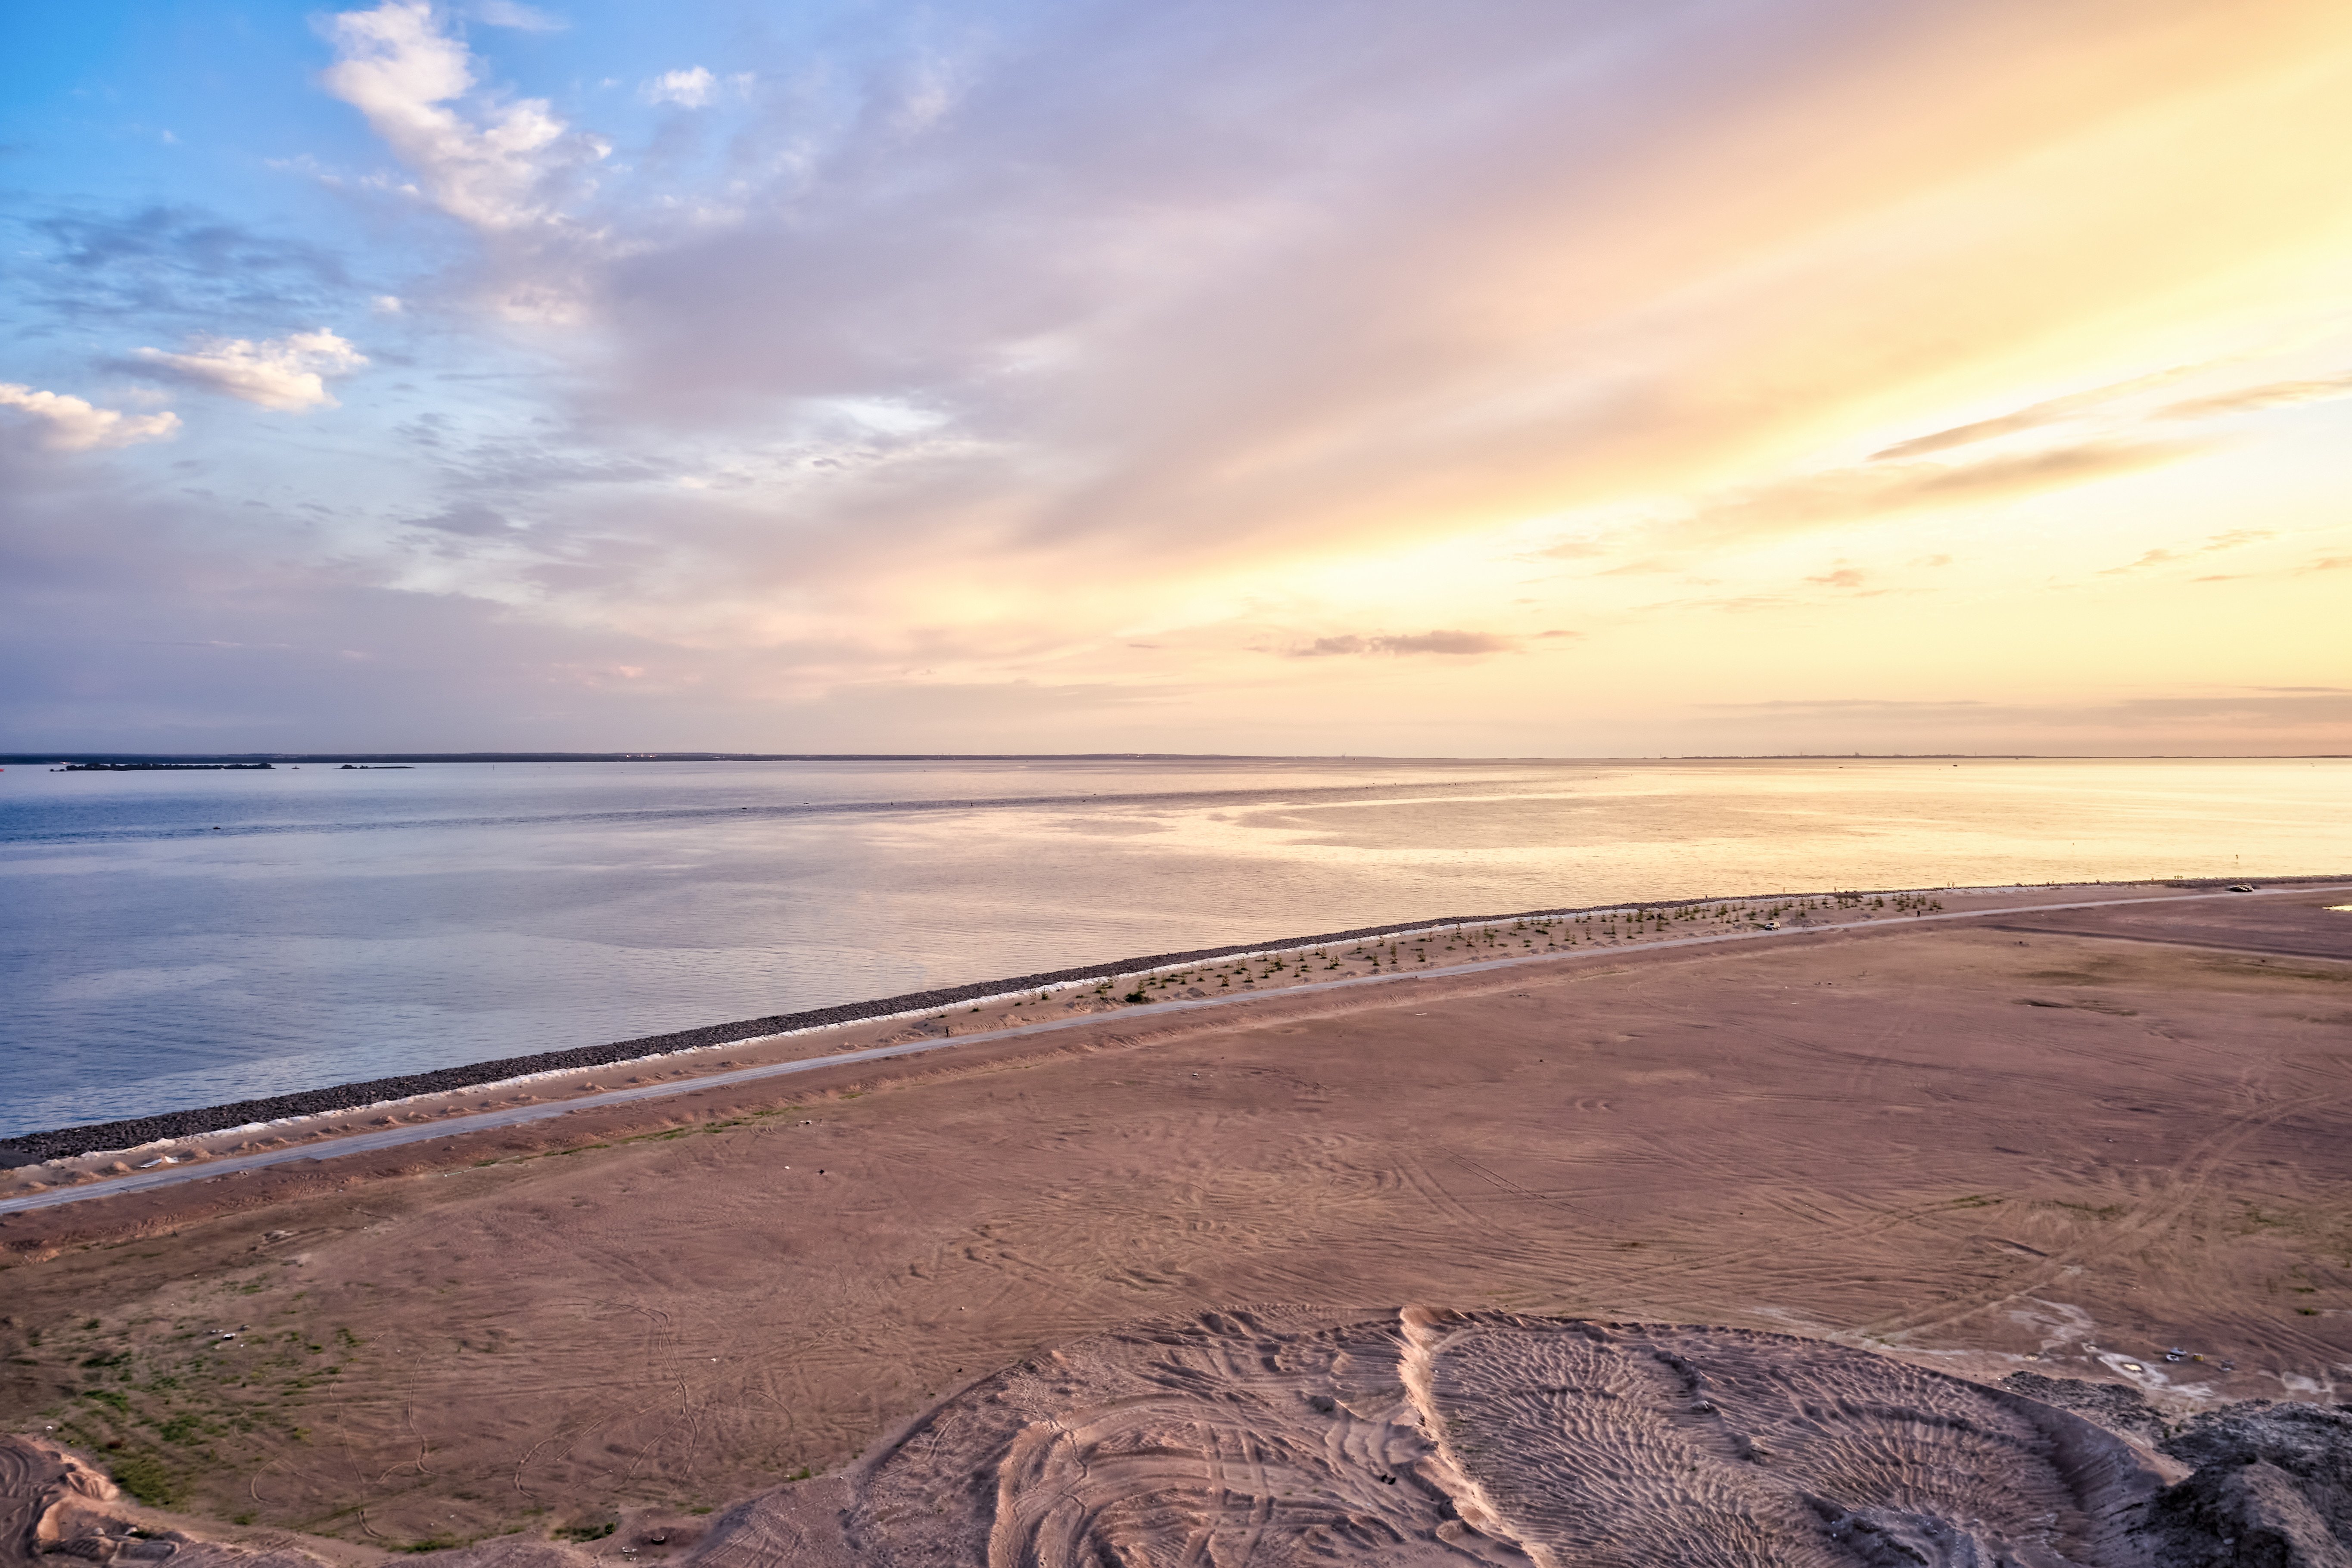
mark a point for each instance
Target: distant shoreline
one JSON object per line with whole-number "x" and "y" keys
{"x": 219, "y": 759}
{"x": 33, "y": 1148}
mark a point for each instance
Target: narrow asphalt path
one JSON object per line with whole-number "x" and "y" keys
{"x": 517, "y": 1116}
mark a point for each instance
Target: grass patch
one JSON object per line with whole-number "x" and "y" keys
{"x": 149, "y": 1480}
{"x": 181, "y": 1429}
{"x": 586, "y": 1532}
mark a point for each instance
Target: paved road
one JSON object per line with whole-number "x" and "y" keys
{"x": 516, "y": 1116}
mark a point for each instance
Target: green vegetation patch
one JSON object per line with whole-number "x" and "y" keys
{"x": 184, "y": 1428}
{"x": 149, "y": 1480}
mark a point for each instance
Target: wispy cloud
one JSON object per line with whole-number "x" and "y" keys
{"x": 468, "y": 520}
{"x": 1455, "y": 644}
{"x": 691, "y": 88}
{"x": 2232, "y": 540}
{"x": 2051, "y": 410}
{"x": 179, "y": 260}
{"x": 69, "y": 424}
{"x": 521, "y": 17}
{"x": 496, "y": 170}
{"x": 1848, "y": 495}
{"x": 2314, "y": 707}
{"x": 2271, "y": 394}
{"x": 288, "y": 373}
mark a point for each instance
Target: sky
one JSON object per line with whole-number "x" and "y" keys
{"x": 1548, "y": 377}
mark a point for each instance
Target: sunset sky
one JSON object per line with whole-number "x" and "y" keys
{"x": 1548, "y": 378}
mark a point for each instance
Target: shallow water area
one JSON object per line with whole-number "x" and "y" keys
{"x": 186, "y": 939}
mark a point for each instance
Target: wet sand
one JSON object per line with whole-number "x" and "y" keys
{"x": 2064, "y": 1142}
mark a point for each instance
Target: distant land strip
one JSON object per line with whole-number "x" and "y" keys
{"x": 28, "y": 759}
{"x": 32, "y": 1148}
{"x": 34, "y": 758}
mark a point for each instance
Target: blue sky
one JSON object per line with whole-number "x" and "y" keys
{"x": 1329, "y": 378}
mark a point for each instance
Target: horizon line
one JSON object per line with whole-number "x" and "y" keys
{"x": 27, "y": 759}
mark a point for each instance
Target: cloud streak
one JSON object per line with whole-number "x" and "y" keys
{"x": 2035, "y": 417}
{"x": 1842, "y": 496}
{"x": 2251, "y": 399}
{"x": 1448, "y": 644}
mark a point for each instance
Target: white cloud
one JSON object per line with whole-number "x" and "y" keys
{"x": 395, "y": 66}
{"x": 690, "y": 88}
{"x": 287, "y": 373}
{"x": 388, "y": 305}
{"x": 75, "y": 425}
{"x": 523, "y": 18}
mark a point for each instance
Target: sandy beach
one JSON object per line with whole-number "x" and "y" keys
{"x": 1955, "y": 1143}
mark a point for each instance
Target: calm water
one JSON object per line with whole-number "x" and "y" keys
{"x": 174, "y": 940}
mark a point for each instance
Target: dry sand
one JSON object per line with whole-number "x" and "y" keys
{"x": 2065, "y": 1143}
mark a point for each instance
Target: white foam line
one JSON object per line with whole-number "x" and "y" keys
{"x": 516, "y": 1116}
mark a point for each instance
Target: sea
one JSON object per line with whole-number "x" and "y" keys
{"x": 183, "y": 939}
